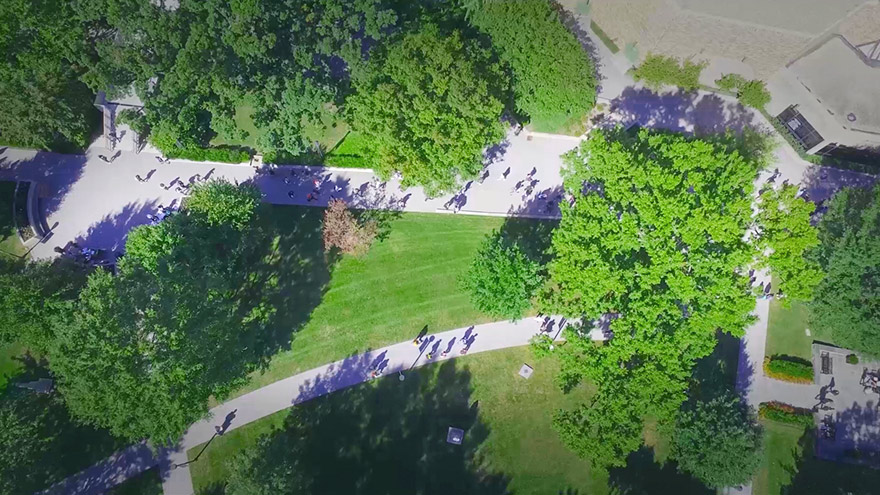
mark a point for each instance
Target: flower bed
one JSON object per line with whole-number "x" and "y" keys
{"x": 786, "y": 413}
{"x": 789, "y": 369}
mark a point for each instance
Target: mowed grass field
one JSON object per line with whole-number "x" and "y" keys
{"x": 406, "y": 281}
{"x": 511, "y": 437}
{"x": 781, "y": 455}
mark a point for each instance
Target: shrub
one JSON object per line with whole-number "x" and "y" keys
{"x": 217, "y": 154}
{"x": 788, "y": 369}
{"x": 730, "y": 82}
{"x": 502, "y": 279}
{"x": 852, "y": 359}
{"x": 657, "y": 70}
{"x": 754, "y": 94}
{"x": 786, "y": 413}
{"x": 750, "y": 93}
{"x": 342, "y": 231}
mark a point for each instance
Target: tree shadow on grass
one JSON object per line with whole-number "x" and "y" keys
{"x": 813, "y": 476}
{"x": 65, "y": 447}
{"x": 643, "y": 476}
{"x": 715, "y": 375}
{"x": 388, "y": 437}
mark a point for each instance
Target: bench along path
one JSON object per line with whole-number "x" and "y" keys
{"x": 394, "y": 359}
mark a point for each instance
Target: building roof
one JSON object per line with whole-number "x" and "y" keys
{"x": 811, "y": 17}
{"x": 841, "y": 79}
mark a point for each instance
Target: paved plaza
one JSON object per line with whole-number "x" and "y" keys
{"x": 846, "y": 409}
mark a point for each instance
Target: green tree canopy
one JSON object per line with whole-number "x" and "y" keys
{"x": 45, "y": 48}
{"x": 429, "y": 105}
{"x": 654, "y": 242}
{"x": 502, "y": 280}
{"x": 359, "y": 441}
{"x": 186, "y": 318}
{"x": 33, "y": 294}
{"x": 554, "y": 80}
{"x": 194, "y": 65}
{"x": 40, "y": 444}
{"x": 719, "y": 442}
{"x": 846, "y": 303}
{"x": 786, "y": 236}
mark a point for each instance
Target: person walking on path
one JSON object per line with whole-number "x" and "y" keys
{"x": 421, "y": 335}
{"x": 102, "y": 157}
{"x": 139, "y": 178}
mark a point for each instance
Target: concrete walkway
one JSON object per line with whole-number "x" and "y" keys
{"x": 97, "y": 203}
{"x": 394, "y": 360}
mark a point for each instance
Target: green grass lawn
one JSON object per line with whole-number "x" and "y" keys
{"x": 781, "y": 455}
{"x": 350, "y": 152}
{"x": 405, "y": 282}
{"x": 147, "y": 483}
{"x": 786, "y": 330}
{"x": 512, "y": 436}
{"x": 559, "y": 124}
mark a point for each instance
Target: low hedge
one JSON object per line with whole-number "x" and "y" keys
{"x": 788, "y": 369}
{"x": 786, "y": 413}
{"x": 214, "y": 154}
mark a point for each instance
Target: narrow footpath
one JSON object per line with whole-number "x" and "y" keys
{"x": 395, "y": 361}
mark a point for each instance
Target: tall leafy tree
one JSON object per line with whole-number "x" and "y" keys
{"x": 846, "y": 303}
{"x": 33, "y": 294}
{"x": 40, "y": 443}
{"x": 654, "y": 241}
{"x": 554, "y": 79}
{"x": 44, "y": 48}
{"x": 719, "y": 442}
{"x": 785, "y": 236}
{"x": 186, "y": 318}
{"x": 502, "y": 280}
{"x": 429, "y": 105}
{"x": 289, "y": 60}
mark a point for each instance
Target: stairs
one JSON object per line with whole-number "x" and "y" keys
{"x": 871, "y": 50}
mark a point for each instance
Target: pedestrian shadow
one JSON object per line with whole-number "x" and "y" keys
{"x": 388, "y": 437}
{"x": 368, "y": 200}
{"x": 110, "y": 232}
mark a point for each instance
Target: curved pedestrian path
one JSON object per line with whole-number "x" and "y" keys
{"x": 395, "y": 361}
